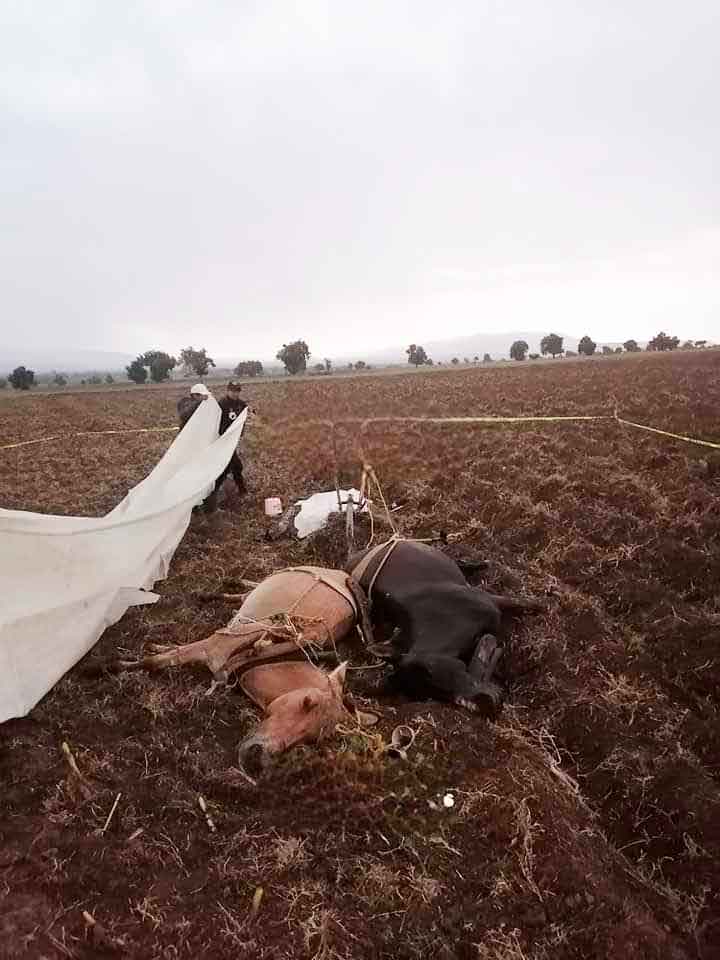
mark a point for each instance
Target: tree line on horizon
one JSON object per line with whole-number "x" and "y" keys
{"x": 157, "y": 366}
{"x": 553, "y": 345}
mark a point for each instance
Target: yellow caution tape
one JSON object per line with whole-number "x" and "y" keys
{"x": 368, "y": 420}
{"x": 107, "y": 433}
{"x": 26, "y": 443}
{"x": 91, "y": 433}
{"x": 665, "y": 433}
{"x": 628, "y": 423}
{"x": 466, "y": 419}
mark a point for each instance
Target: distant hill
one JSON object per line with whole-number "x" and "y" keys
{"x": 70, "y": 361}
{"x": 65, "y": 360}
{"x": 475, "y": 345}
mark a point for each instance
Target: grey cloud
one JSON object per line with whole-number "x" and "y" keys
{"x": 237, "y": 174}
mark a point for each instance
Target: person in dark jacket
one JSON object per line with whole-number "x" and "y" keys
{"x": 231, "y": 406}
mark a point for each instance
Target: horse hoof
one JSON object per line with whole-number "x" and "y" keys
{"x": 160, "y": 647}
{"x": 488, "y": 699}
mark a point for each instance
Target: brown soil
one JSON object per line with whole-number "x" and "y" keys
{"x": 586, "y": 821}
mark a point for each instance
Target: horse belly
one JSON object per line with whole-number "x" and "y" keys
{"x": 296, "y": 594}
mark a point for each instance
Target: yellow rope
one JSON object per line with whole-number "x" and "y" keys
{"x": 369, "y": 472}
{"x": 665, "y": 433}
{"x": 27, "y": 443}
{"x": 107, "y": 433}
{"x": 367, "y": 420}
{"x": 87, "y": 433}
{"x": 629, "y": 423}
{"x": 364, "y": 420}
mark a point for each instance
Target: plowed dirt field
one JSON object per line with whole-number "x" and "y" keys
{"x": 586, "y": 821}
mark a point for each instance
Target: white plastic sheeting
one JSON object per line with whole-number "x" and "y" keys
{"x": 63, "y": 580}
{"x": 314, "y": 511}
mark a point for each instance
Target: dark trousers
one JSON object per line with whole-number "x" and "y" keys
{"x": 235, "y": 468}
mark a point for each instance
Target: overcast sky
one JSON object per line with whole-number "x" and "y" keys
{"x": 238, "y": 174}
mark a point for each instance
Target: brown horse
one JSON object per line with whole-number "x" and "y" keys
{"x": 292, "y": 612}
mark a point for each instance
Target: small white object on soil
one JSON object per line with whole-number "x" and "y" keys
{"x": 315, "y": 510}
{"x": 448, "y": 800}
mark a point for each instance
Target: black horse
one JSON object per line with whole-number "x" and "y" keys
{"x": 443, "y": 631}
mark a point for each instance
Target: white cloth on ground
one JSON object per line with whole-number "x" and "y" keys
{"x": 315, "y": 510}
{"x": 63, "y": 580}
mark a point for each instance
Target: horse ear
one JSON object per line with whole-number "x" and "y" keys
{"x": 337, "y": 679}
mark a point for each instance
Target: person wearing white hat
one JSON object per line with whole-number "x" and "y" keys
{"x": 188, "y": 405}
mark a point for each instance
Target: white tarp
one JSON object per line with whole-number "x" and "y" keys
{"x": 314, "y": 511}
{"x": 63, "y": 580}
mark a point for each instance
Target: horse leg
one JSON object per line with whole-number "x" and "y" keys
{"x": 214, "y": 652}
{"x": 485, "y": 698}
{"x": 483, "y": 695}
{"x": 238, "y": 598}
{"x": 469, "y": 567}
{"x": 229, "y": 597}
{"x": 485, "y": 659}
{"x": 517, "y": 604}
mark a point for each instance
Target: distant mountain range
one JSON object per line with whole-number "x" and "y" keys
{"x": 62, "y": 360}
{"x": 70, "y": 361}
{"x": 476, "y": 345}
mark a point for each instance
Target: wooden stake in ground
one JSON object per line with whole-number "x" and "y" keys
{"x": 111, "y": 814}
{"x": 208, "y": 819}
{"x": 257, "y": 900}
{"x": 96, "y": 931}
{"x": 70, "y": 759}
{"x": 76, "y": 781}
